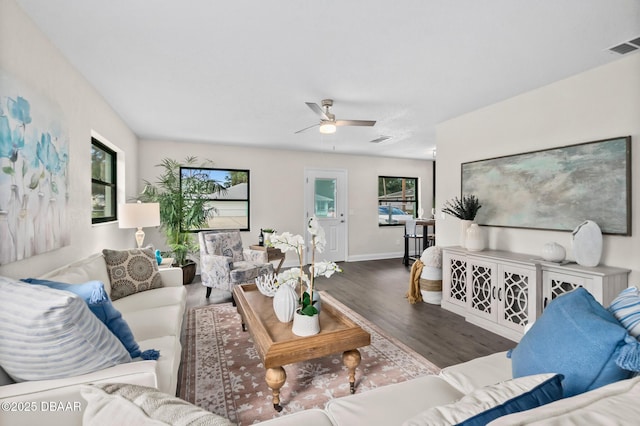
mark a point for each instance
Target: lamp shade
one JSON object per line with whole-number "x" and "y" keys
{"x": 139, "y": 215}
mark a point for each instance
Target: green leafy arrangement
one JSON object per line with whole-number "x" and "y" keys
{"x": 465, "y": 208}
{"x": 178, "y": 214}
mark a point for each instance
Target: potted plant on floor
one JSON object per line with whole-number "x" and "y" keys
{"x": 179, "y": 214}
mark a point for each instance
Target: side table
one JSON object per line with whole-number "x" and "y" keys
{"x": 272, "y": 254}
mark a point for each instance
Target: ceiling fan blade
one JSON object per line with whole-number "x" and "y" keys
{"x": 380, "y": 139}
{"x": 318, "y": 110}
{"x": 307, "y": 128}
{"x": 368, "y": 123}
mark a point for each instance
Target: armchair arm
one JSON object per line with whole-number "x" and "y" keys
{"x": 256, "y": 256}
{"x": 215, "y": 271}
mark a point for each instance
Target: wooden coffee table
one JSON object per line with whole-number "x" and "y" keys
{"x": 278, "y": 346}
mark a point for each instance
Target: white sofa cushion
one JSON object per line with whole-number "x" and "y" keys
{"x": 49, "y": 334}
{"x": 169, "y": 361}
{"x": 614, "y": 404}
{"x": 124, "y": 404}
{"x": 390, "y": 405}
{"x": 90, "y": 268}
{"x": 493, "y": 401}
{"x": 479, "y": 372}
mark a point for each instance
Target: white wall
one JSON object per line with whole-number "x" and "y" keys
{"x": 277, "y": 188}
{"x": 599, "y": 104}
{"x": 27, "y": 55}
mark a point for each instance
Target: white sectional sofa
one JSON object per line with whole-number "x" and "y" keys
{"x": 154, "y": 316}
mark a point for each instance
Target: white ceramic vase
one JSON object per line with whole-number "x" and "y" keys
{"x": 285, "y": 303}
{"x": 475, "y": 238}
{"x": 464, "y": 225}
{"x": 305, "y": 325}
{"x": 553, "y": 252}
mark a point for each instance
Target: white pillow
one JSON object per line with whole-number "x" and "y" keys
{"x": 52, "y": 334}
{"x": 490, "y": 402}
{"x": 124, "y": 404}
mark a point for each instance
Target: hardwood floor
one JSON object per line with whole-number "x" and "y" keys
{"x": 376, "y": 290}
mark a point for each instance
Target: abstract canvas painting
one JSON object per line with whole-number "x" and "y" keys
{"x": 34, "y": 174}
{"x": 555, "y": 189}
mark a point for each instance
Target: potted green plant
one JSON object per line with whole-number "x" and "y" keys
{"x": 180, "y": 215}
{"x": 465, "y": 209}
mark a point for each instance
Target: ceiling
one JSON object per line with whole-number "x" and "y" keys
{"x": 240, "y": 71}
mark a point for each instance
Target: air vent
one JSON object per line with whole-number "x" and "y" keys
{"x": 626, "y": 47}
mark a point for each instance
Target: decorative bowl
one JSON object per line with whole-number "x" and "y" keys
{"x": 267, "y": 284}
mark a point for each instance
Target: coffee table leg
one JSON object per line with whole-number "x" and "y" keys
{"x": 351, "y": 360}
{"x": 275, "y": 379}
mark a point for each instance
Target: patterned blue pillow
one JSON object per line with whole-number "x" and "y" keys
{"x": 578, "y": 338}
{"x": 626, "y": 309}
{"x": 99, "y": 303}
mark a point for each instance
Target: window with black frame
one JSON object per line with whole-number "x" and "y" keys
{"x": 397, "y": 200}
{"x": 103, "y": 183}
{"x": 221, "y": 194}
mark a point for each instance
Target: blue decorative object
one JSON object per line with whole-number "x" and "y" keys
{"x": 158, "y": 257}
{"x": 100, "y": 305}
{"x": 578, "y": 338}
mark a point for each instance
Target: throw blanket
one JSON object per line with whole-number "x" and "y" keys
{"x": 414, "y": 294}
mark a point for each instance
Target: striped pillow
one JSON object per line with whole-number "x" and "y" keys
{"x": 51, "y": 334}
{"x": 626, "y": 309}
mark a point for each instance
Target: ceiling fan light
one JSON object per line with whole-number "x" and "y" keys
{"x": 327, "y": 128}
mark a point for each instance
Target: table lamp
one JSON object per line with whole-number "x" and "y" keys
{"x": 139, "y": 215}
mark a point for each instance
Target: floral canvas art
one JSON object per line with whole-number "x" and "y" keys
{"x": 34, "y": 163}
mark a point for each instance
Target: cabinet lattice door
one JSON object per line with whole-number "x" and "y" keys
{"x": 458, "y": 290}
{"x": 482, "y": 288}
{"x": 515, "y": 301}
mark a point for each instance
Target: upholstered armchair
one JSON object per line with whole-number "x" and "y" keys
{"x": 225, "y": 263}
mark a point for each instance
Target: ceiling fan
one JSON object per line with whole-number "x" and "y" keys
{"x": 328, "y": 122}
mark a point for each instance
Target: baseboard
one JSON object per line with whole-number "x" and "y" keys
{"x": 375, "y": 256}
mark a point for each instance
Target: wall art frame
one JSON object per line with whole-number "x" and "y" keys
{"x": 555, "y": 189}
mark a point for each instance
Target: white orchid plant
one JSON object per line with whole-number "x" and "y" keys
{"x": 288, "y": 242}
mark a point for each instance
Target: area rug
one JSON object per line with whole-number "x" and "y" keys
{"x": 222, "y": 373}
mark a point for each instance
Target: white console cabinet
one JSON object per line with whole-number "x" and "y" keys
{"x": 504, "y": 291}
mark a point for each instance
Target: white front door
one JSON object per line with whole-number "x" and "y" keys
{"x": 326, "y": 198}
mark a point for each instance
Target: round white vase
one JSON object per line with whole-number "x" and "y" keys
{"x": 464, "y": 225}
{"x": 475, "y": 238}
{"x": 553, "y": 252}
{"x": 285, "y": 303}
{"x": 305, "y": 325}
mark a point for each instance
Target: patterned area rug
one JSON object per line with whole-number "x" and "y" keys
{"x": 222, "y": 372}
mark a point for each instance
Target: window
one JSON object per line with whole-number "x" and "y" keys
{"x": 397, "y": 199}
{"x": 103, "y": 183}
{"x": 214, "y": 198}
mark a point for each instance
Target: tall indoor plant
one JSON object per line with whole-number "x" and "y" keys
{"x": 180, "y": 213}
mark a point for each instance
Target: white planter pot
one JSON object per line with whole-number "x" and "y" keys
{"x": 285, "y": 303}
{"x": 305, "y": 325}
{"x": 464, "y": 225}
{"x": 475, "y": 238}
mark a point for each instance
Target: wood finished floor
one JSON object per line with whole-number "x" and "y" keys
{"x": 376, "y": 290}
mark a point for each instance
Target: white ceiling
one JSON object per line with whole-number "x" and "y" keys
{"x": 240, "y": 71}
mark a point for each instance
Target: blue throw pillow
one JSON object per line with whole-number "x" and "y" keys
{"x": 578, "y": 338}
{"x": 100, "y": 305}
